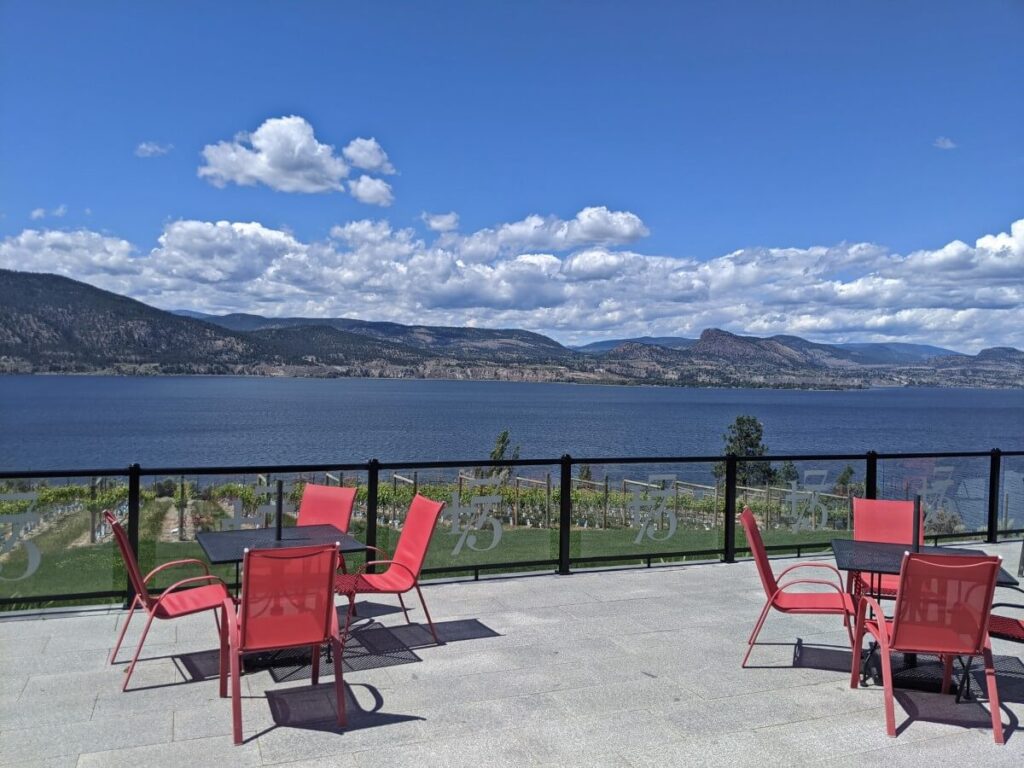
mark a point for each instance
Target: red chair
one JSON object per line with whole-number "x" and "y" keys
{"x": 887, "y": 521}
{"x": 792, "y": 602}
{"x": 942, "y": 607}
{"x": 172, "y": 602}
{"x": 287, "y": 602}
{"x": 327, "y": 505}
{"x": 403, "y": 572}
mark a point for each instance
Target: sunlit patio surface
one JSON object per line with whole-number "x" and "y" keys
{"x": 633, "y": 667}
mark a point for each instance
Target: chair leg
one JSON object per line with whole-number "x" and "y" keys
{"x": 406, "y": 610}
{"x": 138, "y": 650}
{"x": 855, "y": 651}
{"x": 757, "y": 630}
{"x": 224, "y": 662}
{"x": 993, "y": 696}
{"x": 339, "y": 684}
{"x": 236, "y": 695}
{"x": 124, "y": 629}
{"x": 427, "y": 614}
{"x": 315, "y": 663}
{"x": 890, "y": 711}
{"x": 947, "y": 672}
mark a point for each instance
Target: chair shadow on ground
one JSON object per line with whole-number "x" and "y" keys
{"x": 370, "y": 645}
{"x": 928, "y": 704}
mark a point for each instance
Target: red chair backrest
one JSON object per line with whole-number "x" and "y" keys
{"x": 764, "y": 568}
{"x": 327, "y": 505}
{"x": 420, "y": 521}
{"x": 288, "y": 597}
{"x": 943, "y": 603}
{"x": 885, "y": 520}
{"x": 128, "y": 556}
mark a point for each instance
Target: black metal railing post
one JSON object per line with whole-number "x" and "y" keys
{"x": 730, "y": 509}
{"x": 372, "y": 487}
{"x": 564, "y": 514}
{"x": 994, "y": 470}
{"x": 871, "y": 476}
{"x": 134, "y": 504}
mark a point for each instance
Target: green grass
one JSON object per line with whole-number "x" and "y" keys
{"x": 98, "y": 567}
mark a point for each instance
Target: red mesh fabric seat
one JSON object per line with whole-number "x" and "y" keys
{"x": 287, "y": 602}
{"x": 885, "y": 520}
{"x": 1006, "y": 627}
{"x": 942, "y": 607}
{"x": 175, "y": 601}
{"x": 834, "y": 601}
{"x": 403, "y": 570}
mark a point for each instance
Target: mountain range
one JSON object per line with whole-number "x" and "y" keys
{"x": 52, "y": 324}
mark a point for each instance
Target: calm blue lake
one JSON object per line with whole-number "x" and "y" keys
{"x": 71, "y": 422}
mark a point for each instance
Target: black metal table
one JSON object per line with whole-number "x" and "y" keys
{"x": 229, "y": 546}
{"x": 878, "y": 558}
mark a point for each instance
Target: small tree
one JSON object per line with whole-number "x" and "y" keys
{"x": 498, "y": 453}
{"x": 787, "y": 473}
{"x": 744, "y": 438}
{"x": 844, "y": 483}
{"x": 584, "y": 472}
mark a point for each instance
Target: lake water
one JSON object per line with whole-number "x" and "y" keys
{"x": 73, "y": 422}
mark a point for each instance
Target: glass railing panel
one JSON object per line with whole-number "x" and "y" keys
{"x": 800, "y": 506}
{"x": 501, "y": 519}
{"x": 953, "y": 491}
{"x": 174, "y": 509}
{"x": 629, "y": 513}
{"x": 53, "y": 540}
{"x": 1011, "y": 497}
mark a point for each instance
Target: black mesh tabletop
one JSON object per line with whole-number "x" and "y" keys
{"x": 230, "y": 546}
{"x": 878, "y": 557}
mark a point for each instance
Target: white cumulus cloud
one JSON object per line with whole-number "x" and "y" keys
{"x": 441, "y": 222}
{"x": 944, "y": 142}
{"x": 585, "y": 286}
{"x": 368, "y": 155}
{"x": 371, "y": 191}
{"x": 282, "y": 154}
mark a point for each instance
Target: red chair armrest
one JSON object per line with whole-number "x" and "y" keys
{"x": 813, "y": 565}
{"x": 192, "y": 580}
{"x": 862, "y": 607}
{"x": 175, "y": 564}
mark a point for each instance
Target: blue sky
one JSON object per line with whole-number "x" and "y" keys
{"x": 761, "y": 166}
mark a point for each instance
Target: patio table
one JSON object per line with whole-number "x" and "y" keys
{"x": 229, "y": 546}
{"x": 877, "y": 558}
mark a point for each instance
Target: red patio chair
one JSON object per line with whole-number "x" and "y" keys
{"x": 403, "y": 572}
{"x": 287, "y": 602}
{"x": 171, "y": 603}
{"x": 327, "y": 505}
{"x": 942, "y": 607}
{"x": 792, "y": 602}
{"x": 888, "y": 521}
